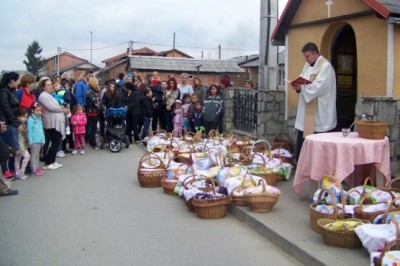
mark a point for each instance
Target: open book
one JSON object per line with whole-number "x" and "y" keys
{"x": 298, "y": 81}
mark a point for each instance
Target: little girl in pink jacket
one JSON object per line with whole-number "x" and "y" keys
{"x": 78, "y": 123}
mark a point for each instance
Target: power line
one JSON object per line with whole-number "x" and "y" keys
{"x": 99, "y": 48}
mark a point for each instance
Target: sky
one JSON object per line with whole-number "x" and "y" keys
{"x": 107, "y": 26}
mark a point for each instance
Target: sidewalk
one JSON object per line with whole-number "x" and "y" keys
{"x": 287, "y": 226}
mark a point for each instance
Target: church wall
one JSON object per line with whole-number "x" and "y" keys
{"x": 310, "y": 10}
{"x": 396, "y": 85}
{"x": 371, "y": 39}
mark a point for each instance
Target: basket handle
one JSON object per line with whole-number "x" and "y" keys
{"x": 149, "y": 157}
{"x": 366, "y": 182}
{"x": 219, "y": 154}
{"x": 392, "y": 202}
{"x": 333, "y": 197}
{"x": 261, "y": 141}
{"x": 262, "y": 182}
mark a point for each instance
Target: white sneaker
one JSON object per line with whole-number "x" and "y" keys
{"x": 57, "y": 164}
{"x": 61, "y": 154}
{"x": 50, "y": 167}
{"x": 74, "y": 152}
{"x": 82, "y": 152}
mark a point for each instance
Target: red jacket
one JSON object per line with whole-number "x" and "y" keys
{"x": 80, "y": 120}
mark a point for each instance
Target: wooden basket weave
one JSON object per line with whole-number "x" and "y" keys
{"x": 151, "y": 177}
{"x": 214, "y": 208}
{"x": 315, "y": 215}
{"x": 168, "y": 186}
{"x": 343, "y": 239}
{"x": 261, "y": 202}
{"x": 238, "y": 200}
{"x": 372, "y": 129}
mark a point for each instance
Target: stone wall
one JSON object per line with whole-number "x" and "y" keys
{"x": 271, "y": 113}
{"x": 385, "y": 109}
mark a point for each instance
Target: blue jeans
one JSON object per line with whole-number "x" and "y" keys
{"x": 146, "y": 125}
{"x": 10, "y": 137}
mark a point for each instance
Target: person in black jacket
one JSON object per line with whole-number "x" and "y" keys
{"x": 158, "y": 104}
{"x": 132, "y": 104}
{"x": 147, "y": 111}
{"x": 8, "y": 104}
{"x": 112, "y": 98}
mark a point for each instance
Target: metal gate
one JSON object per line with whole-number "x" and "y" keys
{"x": 245, "y": 110}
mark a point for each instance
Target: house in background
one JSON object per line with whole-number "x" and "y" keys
{"x": 69, "y": 63}
{"x": 251, "y": 63}
{"x": 209, "y": 71}
{"x": 119, "y": 63}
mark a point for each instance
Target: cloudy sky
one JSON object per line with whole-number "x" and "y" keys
{"x": 200, "y": 26}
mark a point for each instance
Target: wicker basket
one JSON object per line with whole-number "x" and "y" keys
{"x": 151, "y": 177}
{"x": 370, "y": 216}
{"x": 168, "y": 186}
{"x": 238, "y": 200}
{"x": 261, "y": 202}
{"x": 372, "y": 129}
{"x": 315, "y": 215}
{"x": 343, "y": 239}
{"x": 282, "y": 141}
{"x": 186, "y": 182}
{"x": 214, "y": 208}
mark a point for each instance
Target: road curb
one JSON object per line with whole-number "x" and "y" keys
{"x": 279, "y": 240}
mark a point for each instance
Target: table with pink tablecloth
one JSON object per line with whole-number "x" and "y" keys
{"x": 333, "y": 154}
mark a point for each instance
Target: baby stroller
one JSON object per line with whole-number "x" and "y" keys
{"x": 115, "y": 126}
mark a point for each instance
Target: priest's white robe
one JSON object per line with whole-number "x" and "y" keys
{"x": 324, "y": 89}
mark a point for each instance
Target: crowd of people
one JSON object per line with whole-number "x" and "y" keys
{"x": 42, "y": 120}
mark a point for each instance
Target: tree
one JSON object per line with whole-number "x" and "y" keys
{"x": 34, "y": 60}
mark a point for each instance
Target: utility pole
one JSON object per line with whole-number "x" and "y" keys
{"x": 58, "y": 60}
{"x": 173, "y": 47}
{"x": 268, "y": 67}
{"x": 219, "y": 52}
{"x": 130, "y": 47}
{"x": 202, "y": 54}
{"x": 91, "y": 41}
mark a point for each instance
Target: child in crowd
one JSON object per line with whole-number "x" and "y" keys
{"x": 147, "y": 111}
{"x": 198, "y": 117}
{"x": 22, "y": 153}
{"x": 191, "y": 110}
{"x": 178, "y": 118}
{"x": 212, "y": 109}
{"x": 155, "y": 79}
{"x": 78, "y": 122}
{"x": 186, "y": 104}
{"x": 35, "y": 137}
{"x": 63, "y": 98}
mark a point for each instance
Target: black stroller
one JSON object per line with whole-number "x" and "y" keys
{"x": 115, "y": 127}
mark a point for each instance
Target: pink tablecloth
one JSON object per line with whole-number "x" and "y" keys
{"x": 333, "y": 154}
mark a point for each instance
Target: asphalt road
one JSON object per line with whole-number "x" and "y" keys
{"x": 92, "y": 211}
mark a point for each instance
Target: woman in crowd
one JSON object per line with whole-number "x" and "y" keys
{"x": 132, "y": 104}
{"x": 8, "y": 104}
{"x": 111, "y": 98}
{"x": 212, "y": 109}
{"x": 25, "y": 94}
{"x": 184, "y": 87}
{"x": 171, "y": 94}
{"x": 53, "y": 123}
{"x": 199, "y": 89}
{"x": 159, "y": 108}
{"x": 93, "y": 109}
